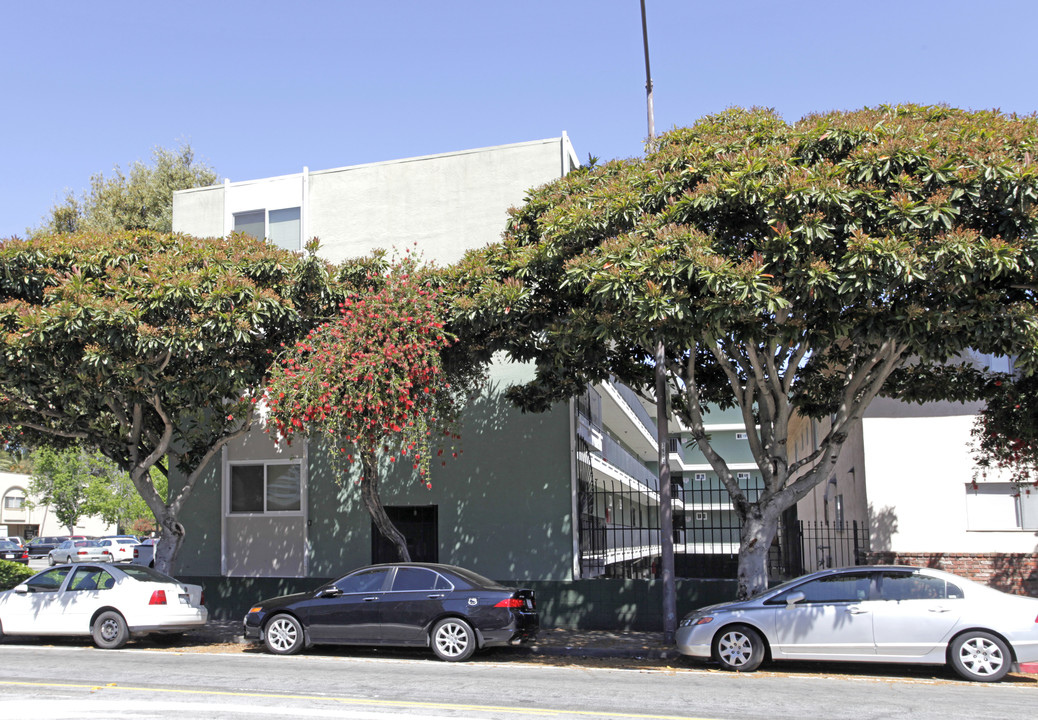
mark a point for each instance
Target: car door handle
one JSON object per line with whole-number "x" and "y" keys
{"x": 855, "y": 610}
{"x": 435, "y": 596}
{"x": 938, "y": 609}
{"x": 371, "y": 599}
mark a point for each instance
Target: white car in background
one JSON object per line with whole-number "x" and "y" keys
{"x": 109, "y": 603}
{"x": 118, "y": 549}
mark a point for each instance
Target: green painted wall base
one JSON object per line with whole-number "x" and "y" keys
{"x": 579, "y": 605}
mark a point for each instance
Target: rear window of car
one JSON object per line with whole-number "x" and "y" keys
{"x": 472, "y": 579}
{"x": 146, "y": 574}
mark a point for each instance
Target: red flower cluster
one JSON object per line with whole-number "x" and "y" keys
{"x": 373, "y": 378}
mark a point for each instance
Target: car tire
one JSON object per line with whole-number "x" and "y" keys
{"x": 739, "y": 648}
{"x": 50, "y": 560}
{"x": 110, "y": 631}
{"x": 980, "y": 656}
{"x": 283, "y": 635}
{"x": 453, "y": 640}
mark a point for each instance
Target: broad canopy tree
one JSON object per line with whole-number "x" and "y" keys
{"x": 146, "y": 346}
{"x": 788, "y": 268}
{"x": 381, "y": 383}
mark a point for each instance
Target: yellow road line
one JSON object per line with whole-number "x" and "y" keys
{"x": 356, "y": 701}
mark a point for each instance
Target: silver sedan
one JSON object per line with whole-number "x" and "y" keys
{"x": 887, "y": 614}
{"x": 72, "y": 551}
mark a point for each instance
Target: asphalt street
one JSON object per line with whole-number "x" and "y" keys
{"x": 78, "y": 681}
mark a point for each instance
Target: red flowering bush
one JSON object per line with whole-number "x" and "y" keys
{"x": 372, "y": 380}
{"x": 371, "y": 383}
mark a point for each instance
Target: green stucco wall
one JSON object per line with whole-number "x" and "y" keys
{"x": 504, "y": 505}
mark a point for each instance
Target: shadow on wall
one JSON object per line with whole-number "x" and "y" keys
{"x": 507, "y": 500}
{"x": 1013, "y": 573}
{"x": 882, "y": 528}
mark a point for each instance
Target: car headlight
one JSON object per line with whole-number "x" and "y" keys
{"x": 691, "y": 620}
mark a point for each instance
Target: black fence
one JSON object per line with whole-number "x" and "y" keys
{"x": 620, "y": 536}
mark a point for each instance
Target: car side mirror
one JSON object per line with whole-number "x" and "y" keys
{"x": 330, "y": 592}
{"x": 793, "y": 598}
{"x": 21, "y": 589}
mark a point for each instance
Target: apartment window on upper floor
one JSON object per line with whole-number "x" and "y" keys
{"x": 14, "y": 500}
{"x": 282, "y": 227}
{"x": 265, "y": 488}
{"x": 1001, "y": 506}
{"x": 741, "y": 436}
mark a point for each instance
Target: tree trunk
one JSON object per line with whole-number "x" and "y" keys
{"x": 171, "y": 537}
{"x": 372, "y": 501}
{"x": 758, "y": 531}
{"x": 670, "y": 613}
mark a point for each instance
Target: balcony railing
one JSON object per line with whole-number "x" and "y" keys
{"x": 631, "y": 399}
{"x": 616, "y": 455}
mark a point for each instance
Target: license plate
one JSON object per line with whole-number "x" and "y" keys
{"x": 9, "y": 555}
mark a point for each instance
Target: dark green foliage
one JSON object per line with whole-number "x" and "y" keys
{"x": 12, "y": 573}
{"x": 786, "y": 267}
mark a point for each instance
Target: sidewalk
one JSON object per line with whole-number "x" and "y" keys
{"x": 549, "y": 642}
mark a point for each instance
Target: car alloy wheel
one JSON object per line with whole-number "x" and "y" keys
{"x": 980, "y": 656}
{"x": 453, "y": 640}
{"x": 284, "y": 635}
{"x": 50, "y": 560}
{"x": 110, "y": 631}
{"x": 739, "y": 648}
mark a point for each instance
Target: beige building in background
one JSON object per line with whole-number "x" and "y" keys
{"x": 18, "y": 519}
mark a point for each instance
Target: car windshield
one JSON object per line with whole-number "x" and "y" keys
{"x": 7, "y": 545}
{"x": 87, "y": 543}
{"x": 777, "y": 588}
{"x": 146, "y": 574}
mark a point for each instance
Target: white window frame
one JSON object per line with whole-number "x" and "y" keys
{"x": 266, "y": 222}
{"x": 742, "y": 436}
{"x": 742, "y": 476}
{"x": 265, "y": 513}
{"x": 699, "y": 477}
{"x": 700, "y": 515}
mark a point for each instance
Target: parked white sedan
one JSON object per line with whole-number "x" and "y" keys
{"x": 118, "y": 549}
{"x": 106, "y": 602}
{"x": 890, "y": 614}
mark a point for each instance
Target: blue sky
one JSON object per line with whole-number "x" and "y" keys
{"x": 263, "y": 88}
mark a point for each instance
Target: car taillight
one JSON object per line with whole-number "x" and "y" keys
{"x": 510, "y": 603}
{"x": 158, "y": 598}
{"x": 81, "y": 552}
{"x": 25, "y": 554}
{"x": 201, "y": 600}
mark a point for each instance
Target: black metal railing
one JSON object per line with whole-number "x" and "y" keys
{"x": 619, "y": 531}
